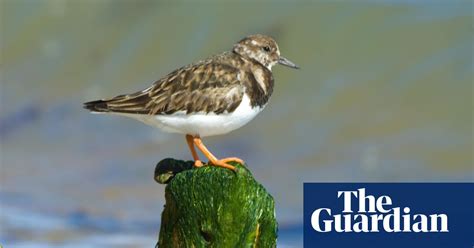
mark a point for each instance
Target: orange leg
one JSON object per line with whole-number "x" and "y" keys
{"x": 212, "y": 158}
{"x": 189, "y": 140}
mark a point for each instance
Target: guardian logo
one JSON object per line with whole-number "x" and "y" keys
{"x": 370, "y": 214}
{"x": 373, "y": 213}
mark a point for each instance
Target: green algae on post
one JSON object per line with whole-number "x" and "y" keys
{"x": 215, "y": 207}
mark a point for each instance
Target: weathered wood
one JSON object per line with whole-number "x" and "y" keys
{"x": 214, "y": 207}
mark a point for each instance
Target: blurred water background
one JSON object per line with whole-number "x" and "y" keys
{"x": 384, "y": 94}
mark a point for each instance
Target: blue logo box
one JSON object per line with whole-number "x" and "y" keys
{"x": 389, "y": 215}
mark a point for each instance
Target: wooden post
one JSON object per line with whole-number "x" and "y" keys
{"x": 214, "y": 207}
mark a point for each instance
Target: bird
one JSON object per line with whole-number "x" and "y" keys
{"x": 210, "y": 97}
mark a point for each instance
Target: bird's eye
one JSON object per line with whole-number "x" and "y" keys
{"x": 266, "y": 48}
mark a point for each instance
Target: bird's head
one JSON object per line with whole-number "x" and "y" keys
{"x": 262, "y": 49}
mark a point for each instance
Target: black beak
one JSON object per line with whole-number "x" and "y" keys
{"x": 286, "y": 62}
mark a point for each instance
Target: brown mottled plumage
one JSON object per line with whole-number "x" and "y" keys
{"x": 233, "y": 85}
{"x": 211, "y": 85}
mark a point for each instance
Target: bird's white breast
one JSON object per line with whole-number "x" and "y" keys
{"x": 203, "y": 124}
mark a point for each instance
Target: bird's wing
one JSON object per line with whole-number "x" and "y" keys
{"x": 204, "y": 87}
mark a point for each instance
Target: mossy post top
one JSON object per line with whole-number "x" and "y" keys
{"x": 214, "y": 207}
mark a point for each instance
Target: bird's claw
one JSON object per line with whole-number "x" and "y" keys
{"x": 232, "y": 159}
{"x": 198, "y": 163}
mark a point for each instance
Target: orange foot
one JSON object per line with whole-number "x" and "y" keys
{"x": 198, "y": 163}
{"x": 196, "y": 141}
{"x": 224, "y": 163}
{"x": 233, "y": 159}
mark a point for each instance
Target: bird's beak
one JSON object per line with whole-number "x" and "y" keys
{"x": 284, "y": 61}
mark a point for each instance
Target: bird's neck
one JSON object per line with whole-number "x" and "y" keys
{"x": 260, "y": 88}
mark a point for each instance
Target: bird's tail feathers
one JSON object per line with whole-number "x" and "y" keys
{"x": 97, "y": 106}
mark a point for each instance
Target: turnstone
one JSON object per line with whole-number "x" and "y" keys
{"x": 211, "y": 97}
